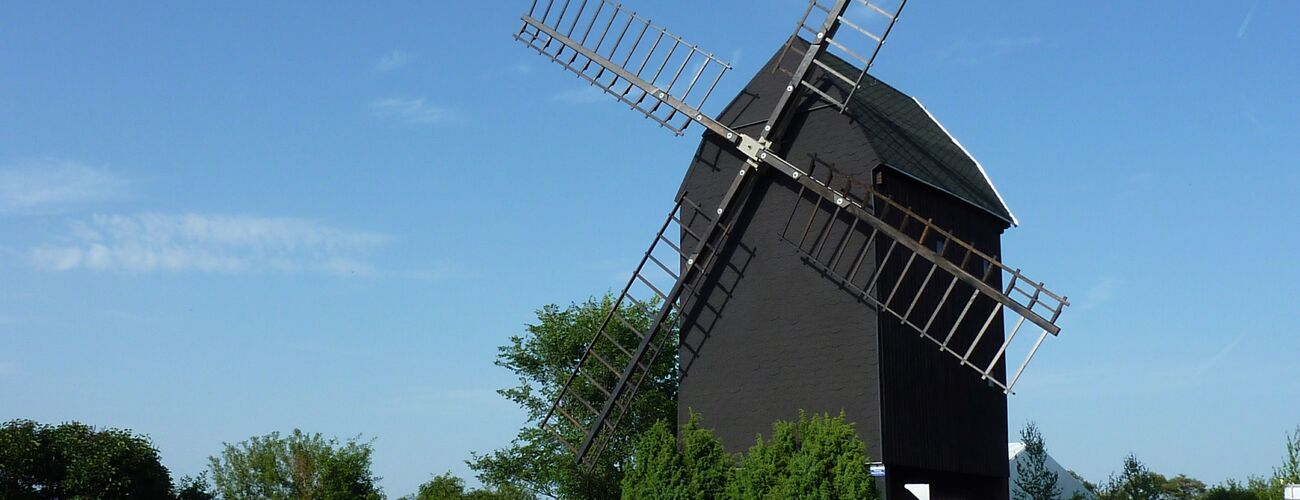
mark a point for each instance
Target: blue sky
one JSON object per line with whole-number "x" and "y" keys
{"x": 221, "y": 221}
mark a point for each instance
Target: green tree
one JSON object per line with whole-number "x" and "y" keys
{"x": 662, "y": 469}
{"x": 819, "y": 457}
{"x": 1134, "y": 482}
{"x": 542, "y": 359}
{"x": 1181, "y": 487}
{"x": 193, "y": 488}
{"x": 1034, "y": 480}
{"x": 1289, "y": 471}
{"x": 449, "y": 487}
{"x": 299, "y": 466}
{"x": 74, "y": 460}
{"x": 1230, "y": 490}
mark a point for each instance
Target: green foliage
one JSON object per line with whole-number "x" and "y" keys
{"x": 1230, "y": 490}
{"x": 542, "y": 359}
{"x": 298, "y": 466}
{"x": 73, "y": 460}
{"x": 193, "y": 488}
{"x": 819, "y": 457}
{"x": 1289, "y": 471}
{"x": 1034, "y": 480}
{"x": 1134, "y": 482}
{"x": 660, "y": 469}
{"x": 1181, "y": 487}
{"x": 449, "y": 487}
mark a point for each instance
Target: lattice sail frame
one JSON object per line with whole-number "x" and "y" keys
{"x": 648, "y": 53}
{"x": 565, "y": 32}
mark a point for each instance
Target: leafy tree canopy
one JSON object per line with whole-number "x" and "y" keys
{"x": 449, "y": 487}
{"x": 1134, "y": 482}
{"x": 543, "y": 358}
{"x": 297, "y": 466}
{"x": 74, "y": 460}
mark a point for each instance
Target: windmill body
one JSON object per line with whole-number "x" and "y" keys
{"x": 832, "y": 248}
{"x": 770, "y": 334}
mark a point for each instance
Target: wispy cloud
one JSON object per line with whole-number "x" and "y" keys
{"x": 8, "y": 368}
{"x": 736, "y": 57}
{"x": 392, "y": 60}
{"x": 977, "y": 51}
{"x": 1209, "y": 363}
{"x": 410, "y": 110}
{"x": 155, "y": 242}
{"x": 1013, "y": 42}
{"x": 585, "y": 95}
{"x": 52, "y": 185}
{"x": 1245, "y": 23}
{"x": 1101, "y": 292}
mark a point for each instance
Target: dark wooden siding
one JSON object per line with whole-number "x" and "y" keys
{"x": 936, "y": 413}
{"x": 771, "y": 336}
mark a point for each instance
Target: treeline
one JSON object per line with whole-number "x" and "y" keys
{"x": 817, "y": 456}
{"x": 1135, "y": 481}
{"x": 74, "y": 460}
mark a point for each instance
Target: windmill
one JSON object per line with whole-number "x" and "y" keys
{"x": 832, "y": 247}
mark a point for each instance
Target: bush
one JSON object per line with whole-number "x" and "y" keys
{"x": 660, "y": 469}
{"x": 815, "y": 458}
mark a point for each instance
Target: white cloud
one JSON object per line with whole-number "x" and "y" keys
{"x": 1219, "y": 355}
{"x": 410, "y": 110}
{"x": 392, "y": 60}
{"x": 51, "y": 185}
{"x": 1245, "y": 23}
{"x": 977, "y": 51}
{"x": 1101, "y": 292}
{"x": 212, "y": 243}
{"x": 585, "y": 95}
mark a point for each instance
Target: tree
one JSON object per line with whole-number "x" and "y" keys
{"x": 297, "y": 466}
{"x": 1289, "y": 471}
{"x": 74, "y": 460}
{"x": 1134, "y": 482}
{"x": 449, "y": 487}
{"x": 1230, "y": 490}
{"x": 1034, "y": 480}
{"x": 1181, "y": 487}
{"x": 819, "y": 457}
{"x": 193, "y": 488}
{"x": 542, "y": 358}
{"x": 662, "y": 469}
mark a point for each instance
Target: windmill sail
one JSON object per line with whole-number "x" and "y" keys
{"x": 937, "y": 284}
{"x": 642, "y": 320}
{"x": 646, "y": 67}
{"x": 850, "y": 30}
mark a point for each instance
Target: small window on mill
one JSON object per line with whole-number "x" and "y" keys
{"x": 938, "y": 246}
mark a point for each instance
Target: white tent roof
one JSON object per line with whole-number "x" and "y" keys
{"x": 1068, "y": 484}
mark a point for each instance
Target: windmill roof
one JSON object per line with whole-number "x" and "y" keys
{"x": 908, "y": 138}
{"x": 904, "y": 134}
